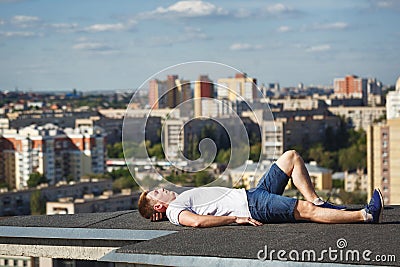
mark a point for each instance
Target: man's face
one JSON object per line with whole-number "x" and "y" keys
{"x": 162, "y": 195}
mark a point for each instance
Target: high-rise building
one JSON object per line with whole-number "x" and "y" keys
{"x": 58, "y": 154}
{"x": 351, "y": 87}
{"x": 157, "y": 94}
{"x": 374, "y": 92}
{"x": 173, "y": 97}
{"x": 168, "y": 93}
{"x": 239, "y": 88}
{"x": 383, "y": 160}
{"x": 173, "y": 138}
{"x": 393, "y": 102}
{"x": 203, "y": 92}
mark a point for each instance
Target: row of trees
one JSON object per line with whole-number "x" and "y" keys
{"x": 343, "y": 150}
{"x": 133, "y": 149}
{"x": 190, "y": 179}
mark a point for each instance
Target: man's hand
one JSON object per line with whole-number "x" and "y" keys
{"x": 247, "y": 220}
{"x": 157, "y": 216}
{"x": 188, "y": 218}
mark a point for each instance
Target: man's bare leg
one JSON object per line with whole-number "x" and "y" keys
{"x": 293, "y": 165}
{"x": 305, "y": 210}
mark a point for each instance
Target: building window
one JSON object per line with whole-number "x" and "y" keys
{"x": 385, "y": 189}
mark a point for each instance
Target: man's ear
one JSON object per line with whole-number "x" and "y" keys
{"x": 159, "y": 207}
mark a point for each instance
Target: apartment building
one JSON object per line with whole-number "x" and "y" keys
{"x": 89, "y": 203}
{"x": 239, "y": 88}
{"x": 168, "y": 93}
{"x": 59, "y": 154}
{"x": 355, "y": 182}
{"x": 353, "y": 87}
{"x": 360, "y": 117}
{"x": 393, "y": 102}
{"x": 203, "y": 93}
{"x": 173, "y": 138}
{"x": 13, "y": 203}
{"x": 383, "y": 160}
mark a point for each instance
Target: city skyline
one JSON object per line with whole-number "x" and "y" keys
{"x": 99, "y": 45}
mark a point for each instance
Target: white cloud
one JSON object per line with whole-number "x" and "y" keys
{"x": 242, "y": 13}
{"x": 284, "y": 29}
{"x": 19, "y": 34}
{"x": 10, "y": 1}
{"x": 105, "y": 27}
{"x": 192, "y": 33}
{"x": 244, "y": 47}
{"x": 319, "y": 48}
{"x": 95, "y": 47}
{"x": 387, "y": 3}
{"x": 20, "y": 19}
{"x": 64, "y": 27}
{"x": 278, "y": 8}
{"x": 111, "y": 27}
{"x": 82, "y": 39}
{"x": 1, "y": 22}
{"x": 331, "y": 26}
{"x": 190, "y": 8}
{"x": 91, "y": 46}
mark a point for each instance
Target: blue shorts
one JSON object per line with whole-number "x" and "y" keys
{"x": 266, "y": 203}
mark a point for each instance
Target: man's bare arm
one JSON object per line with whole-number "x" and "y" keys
{"x": 188, "y": 218}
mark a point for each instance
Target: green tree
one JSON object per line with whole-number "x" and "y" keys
{"x": 115, "y": 150}
{"x": 35, "y": 179}
{"x": 118, "y": 173}
{"x": 156, "y": 151}
{"x": 37, "y": 203}
{"x": 192, "y": 151}
{"x": 255, "y": 151}
{"x": 202, "y": 178}
{"x": 4, "y": 185}
{"x": 354, "y": 156}
{"x": 181, "y": 179}
{"x": 323, "y": 157}
{"x": 356, "y": 197}
{"x": 338, "y": 183}
{"x": 124, "y": 182}
{"x": 223, "y": 156}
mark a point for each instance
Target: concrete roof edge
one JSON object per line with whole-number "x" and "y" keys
{"x": 175, "y": 260}
{"x": 81, "y": 233}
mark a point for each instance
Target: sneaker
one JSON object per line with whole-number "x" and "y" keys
{"x": 331, "y": 206}
{"x": 375, "y": 206}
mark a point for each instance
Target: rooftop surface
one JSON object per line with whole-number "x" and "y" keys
{"x": 127, "y": 237}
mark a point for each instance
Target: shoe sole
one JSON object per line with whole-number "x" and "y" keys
{"x": 382, "y": 205}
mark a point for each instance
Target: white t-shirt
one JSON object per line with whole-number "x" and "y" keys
{"x": 217, "y": 201}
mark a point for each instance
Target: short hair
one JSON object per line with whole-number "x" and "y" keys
{"x": 146, "y": 205}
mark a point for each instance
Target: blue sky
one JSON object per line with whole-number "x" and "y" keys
{"x": 102, "y": 45}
